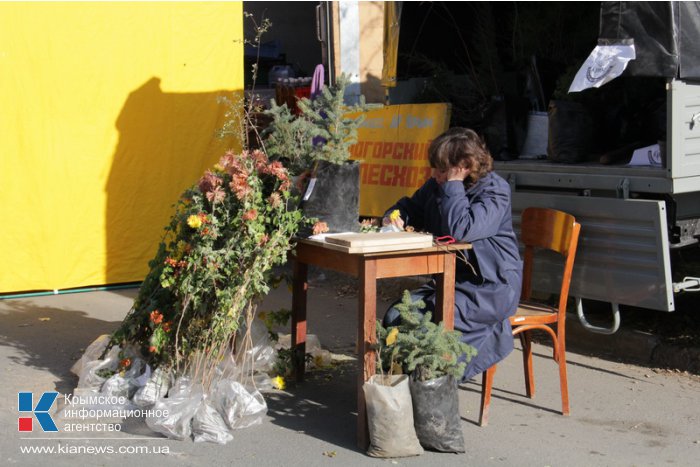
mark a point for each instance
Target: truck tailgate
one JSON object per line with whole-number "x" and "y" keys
{"x": 622, "y": 255}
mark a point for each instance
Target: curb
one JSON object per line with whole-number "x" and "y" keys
{"x": 632, "y": 346}
{"x": 626, "y": 344}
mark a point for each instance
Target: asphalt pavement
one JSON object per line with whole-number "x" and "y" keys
{"x": 622, "y": 414}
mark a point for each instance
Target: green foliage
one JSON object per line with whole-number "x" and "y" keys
{"x": 323, "y": 131}
{"x": 369, "y": 225}
{"x": 420, "y": 345}
{"x": 275, "y": 319}
{"x": 284, "y": 363}
{"x": 561, "y": 91}
{"x": 289, "y": 138}
{"x": 215, "y": 261}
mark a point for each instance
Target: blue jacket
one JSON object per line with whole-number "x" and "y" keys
{"x": 487, "y": 290}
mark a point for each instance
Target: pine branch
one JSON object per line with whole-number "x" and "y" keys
{"x": 421, "y": 346}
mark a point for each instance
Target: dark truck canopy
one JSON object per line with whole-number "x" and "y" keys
{"x": 666, "y": 36}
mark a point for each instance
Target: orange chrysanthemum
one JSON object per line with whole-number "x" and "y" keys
{"x": 319, "y": 228}
{"x": 156, "y": 317}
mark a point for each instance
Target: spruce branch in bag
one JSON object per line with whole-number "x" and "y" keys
{"x": 422, "y": 346}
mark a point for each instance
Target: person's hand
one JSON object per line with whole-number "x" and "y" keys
{"x": 457, "y": 174}
{"x": 398, "y": 222}
{"x": 393, "y": 218}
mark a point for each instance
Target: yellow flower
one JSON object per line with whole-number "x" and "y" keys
{"x": 395, "y": 215}
{"x": 391, "y": 338}
{"x": 278, "y": 383}
{"x": 194, "y": 221}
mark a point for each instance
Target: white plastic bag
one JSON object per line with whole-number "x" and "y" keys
{"x": 177, "y": 410}
{"x": 208, "y": 425}
{"x": 155, "y": 387}
{"x": 92, "y": 353}
{"x": 261, "y": 355}
{"x": 313, "y": 344}
{"x": 227, "y": 368}
{"x": 390, "y": 417}
{"x": 116, "y": 386}
{"x": 605, "y": 63}
{"x": 89, "y": 377}
{"x": 239, "y": 406}
{"x": 126, "y": 385}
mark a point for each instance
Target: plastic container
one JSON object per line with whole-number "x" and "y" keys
{"x": 278, "y": 73}
{"x": 535, "y": 146}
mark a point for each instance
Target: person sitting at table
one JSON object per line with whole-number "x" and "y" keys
{"x": 466, "y": 200}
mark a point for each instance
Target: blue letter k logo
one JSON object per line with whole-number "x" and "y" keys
{"x": 41, "y": 411}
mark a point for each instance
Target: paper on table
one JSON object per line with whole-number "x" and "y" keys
{"x": 322, "y": 237}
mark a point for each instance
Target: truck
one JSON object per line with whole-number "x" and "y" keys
{"x": 633, "y": 217}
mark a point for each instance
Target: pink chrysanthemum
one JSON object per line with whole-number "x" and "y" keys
{"x": 209, "y": 182}
{"x": 239, "y": 185}
{"x": 274, "y": 200}
{"x": 216, "y": 195}
{"x": 250, "y": 215}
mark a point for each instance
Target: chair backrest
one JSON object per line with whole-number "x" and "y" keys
{"x": 552, "y": 230}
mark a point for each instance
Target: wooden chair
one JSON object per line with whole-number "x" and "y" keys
{"x": 541, "y": 229}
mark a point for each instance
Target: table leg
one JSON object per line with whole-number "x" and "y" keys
{"x": 445, "y": 299}
{"x": 366, "y": 338}
{"x": 300, "y": 287}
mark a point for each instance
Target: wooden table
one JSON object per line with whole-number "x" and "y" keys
{"x": 368, "y": 267}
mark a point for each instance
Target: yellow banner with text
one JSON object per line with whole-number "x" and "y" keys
{"x": 393, "y": 146}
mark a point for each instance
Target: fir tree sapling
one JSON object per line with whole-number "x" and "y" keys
{"x": 324, "y": 130}
{"x": 421, "y": 346}
{"x": 289, "y": 138}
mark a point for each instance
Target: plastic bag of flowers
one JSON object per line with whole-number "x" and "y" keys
{"x": 173, "y": 415}
{"x": 208, "y": 425}
{"x": 254, "y": 360}
{"x": 259, "y": 356}
{"x": 197, "y": 302}
{"x": 94, "y": 373}
{"x": 120, "y": 372}
{"x": 229, "y": 370}
{"x": 125, "y": 383}
{"x": 92, "y": 353}
{"x": 240, "y": 406}
{"x": 116, "y": 377}
{"x": 155, "y": 387}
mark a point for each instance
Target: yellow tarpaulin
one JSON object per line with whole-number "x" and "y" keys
{"x": 392, "y": 25}
{"x": 393, "y": 147}
{"x": 107, "y": 112}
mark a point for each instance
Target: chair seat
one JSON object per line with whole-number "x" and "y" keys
{"x": 531, "y": 312}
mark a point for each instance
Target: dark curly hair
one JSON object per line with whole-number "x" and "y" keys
{"x": 461, "y": 147}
